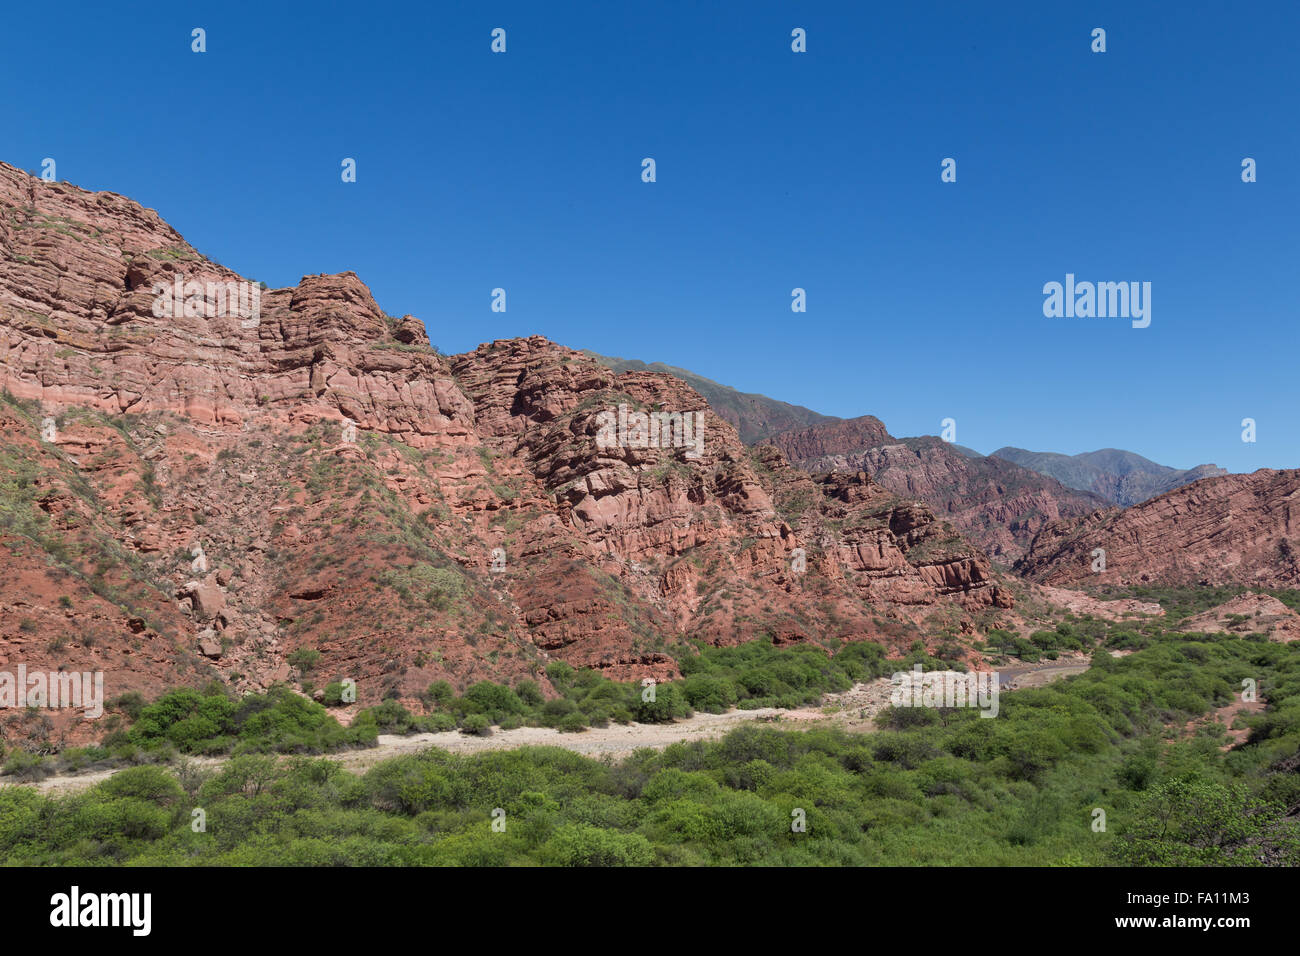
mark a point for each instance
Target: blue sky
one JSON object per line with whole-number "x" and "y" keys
{"x": 775, "y": 170}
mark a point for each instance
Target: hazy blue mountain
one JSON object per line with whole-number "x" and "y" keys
{"x": 1120, "y": 476}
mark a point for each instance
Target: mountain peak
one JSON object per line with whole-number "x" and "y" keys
{"x": 1121, "y": 477}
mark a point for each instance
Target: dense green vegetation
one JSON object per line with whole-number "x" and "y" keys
{"x": 277, "y": 721}
{"x": 758, "y": 675}
{"x": 949, "y": 788}
{"x": 207, "y": 722}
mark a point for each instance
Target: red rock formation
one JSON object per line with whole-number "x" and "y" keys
{"x": 1234, "y": 529}
{"x": 835, "y": 438}
{"x": 1077, "y": 602}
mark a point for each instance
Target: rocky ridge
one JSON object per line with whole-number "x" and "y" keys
{"x": 1232, "y": 529}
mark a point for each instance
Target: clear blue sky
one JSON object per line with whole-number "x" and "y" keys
{"x": 775, "y": 170}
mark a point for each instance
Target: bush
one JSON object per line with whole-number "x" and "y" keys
{"x": 333, "y": 694}
{"x": 493, "y": 700}
{"x": 1193, "y": 821}
{"x": 901, "y": 718}
{"x": 581, "y": 845}
{"x": 711, "y": 694}
{"x": 131, "y": 703}
{"x": 436, "y": 587}
{"x": 279, "y": 720}
{"x": 575, "y": 722}
{"x": 668, "y": 705}
{"x": 26, "y": 767}
{"x": 304, "y": 658}
{"x": 143, "y": 783}
{"x": 559, "y": 672}
{"x": 390, "y": 716}
{"x": 437, "y": 723}
{"x": 476, "y": 724}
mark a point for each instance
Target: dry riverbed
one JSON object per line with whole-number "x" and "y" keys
{"x": 853, "y": 710}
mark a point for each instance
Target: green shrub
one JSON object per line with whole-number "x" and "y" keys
{"x": 26, "y": 767}
{"x": 493, "y": 700}
{"x": 333, "y": 694}
{"x": 304, "y": 658}
{"x": 579, "y": 845}
{"x": 279, "y": 720}
{"x": 575, "y": 722}
{"x": 477, "y": 725}
{"x": 131, "y": 703}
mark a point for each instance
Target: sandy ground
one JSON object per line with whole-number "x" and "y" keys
{"x": 1226, "y": 715}
{"x": 616, "y": 740}
{"x": 853, "y": 710}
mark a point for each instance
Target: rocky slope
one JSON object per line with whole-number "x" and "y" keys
{"x": 315, "y": 493}
{"x": 1234, "y": 529}
{"x": 1121, "y": 477}
{"x": 836, "y": 439}
{"x": 1249, "y": 613}
{"x": 755, "y": 416}
{"x": 997, "y": 504}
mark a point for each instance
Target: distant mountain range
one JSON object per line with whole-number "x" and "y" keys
{"x": 1118, "y": 476}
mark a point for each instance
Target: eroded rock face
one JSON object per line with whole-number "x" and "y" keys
{"x": 1234, "y": 529}
{"x": 317, "y": 494}
{"x": 997, "y": 504}
{"x": 836, "y": 438}
{"x": 712, "y": 530}
{"x": 1248, "y": 613}
{"x": 1078, "y": 602}
{"x": 79, "y": 282}
{"x": 896, "y": 550}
